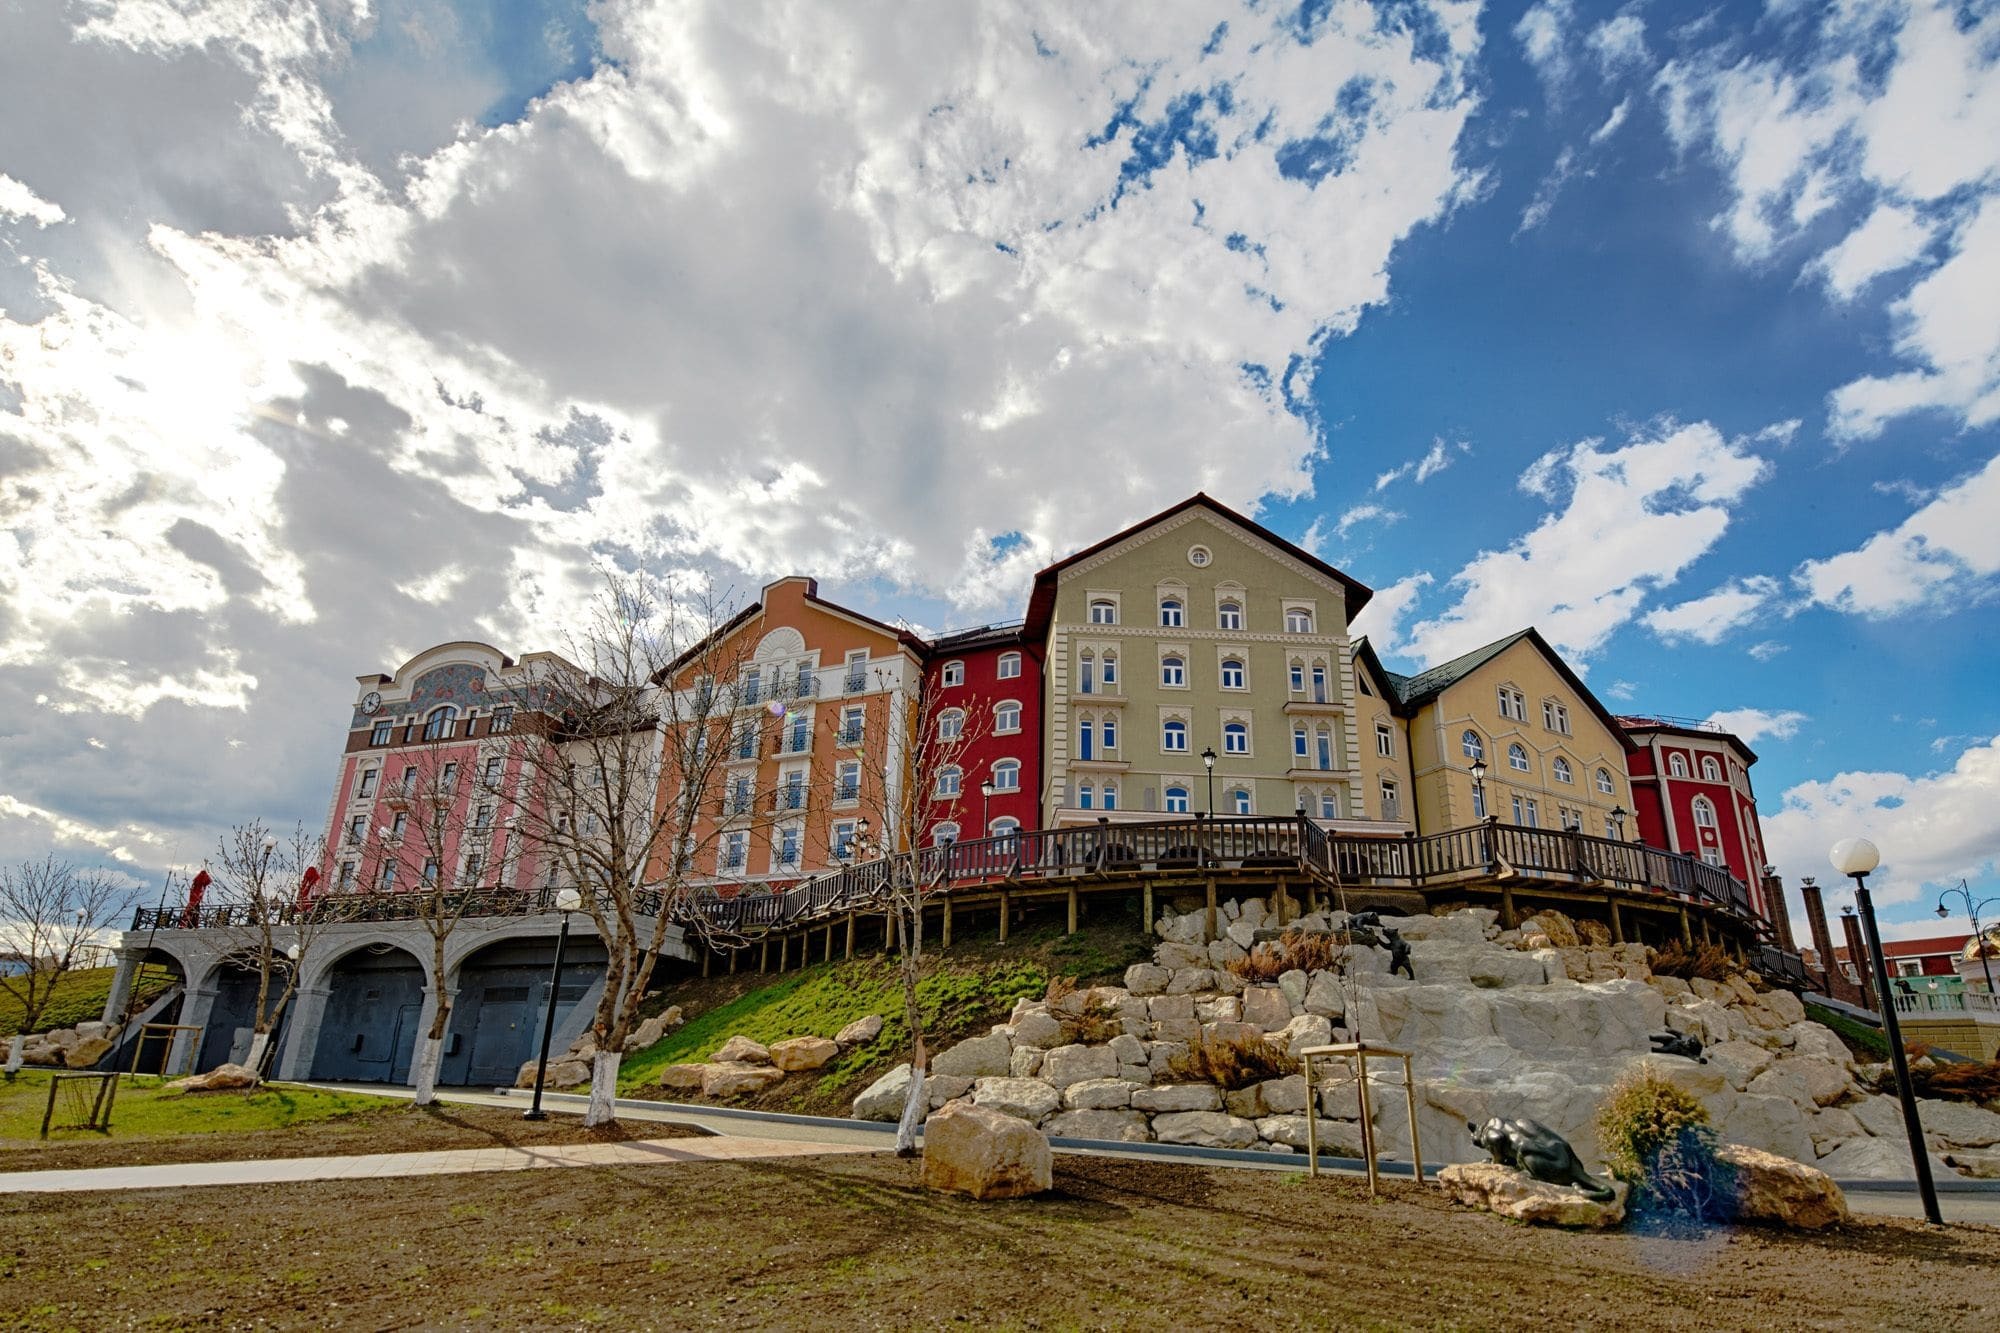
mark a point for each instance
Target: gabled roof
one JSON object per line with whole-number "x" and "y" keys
{"x": 1673, "y": 727}
{"x": 904, "y": 637}
{"x": 969, "y": 640}
{"x": 1415, "y": 691}
{"x": 1041, "y": 604}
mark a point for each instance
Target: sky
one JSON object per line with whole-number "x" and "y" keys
{"x": 331, "y": 331}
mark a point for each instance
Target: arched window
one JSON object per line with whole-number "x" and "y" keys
{"x": 1086, "y": 796}
{"x": 1301, "y": 746}
{"x": 1009, "y": 667}
{"x": 1007, "y": 775}
{"x": 1711, "y": 771}
{"x": 1240, "y": 800}
{"x": 953, "y": 673}
{"x": 1517, "y": 758}
{"x": 1298, "y": 620}
{"x": 1323, "y": 747}
{"x": 944, "y": 835}
{"x": 437, "y": 726}
{"x": 1233, "y": 677}
{"x": 1086, "y": 737}
{"x": 1103, "y": 611}
{"x": 1562, "y": 772}
{"x": 1172, "y": 615}
{"x": 951, "y": 724}
{"x": 1110, "y": 796}
{"x": 1173, "y": 671}
{"x": 1677, "y": 766}
{"x": 1177, "y": 800}
{"x": 1111, "y": 673}
{"x": 1006, "y": 716}
{"x": 1329, "y": 805}
{"x": 1174, "y": 737}
{"x": 949, "y": 779}
{"x": 1704, "y": 813}
{"x": 1473, "y": 747}
{"x": 1296, "y": 677}
{"x": 1235, "y": 738}
{"x": 1229, "y": 615}
{"x": 1006, "y": 827}
{"x": 1604, "y": 782}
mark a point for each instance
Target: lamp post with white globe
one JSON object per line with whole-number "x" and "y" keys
{"x": 1855, "y": 858}
{"x": 567, "y": 901}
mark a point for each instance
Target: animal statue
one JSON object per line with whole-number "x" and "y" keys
{"x": 1399, "y": 953}
{"x": 1684, "y": 1044}
{"x": 1531, "y": 1146}
{"x": 1368, "y": 920}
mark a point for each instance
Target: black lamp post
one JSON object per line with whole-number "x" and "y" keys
{"x": 985, "y": 799}
{"x": 1855, "y": 857}
{"x": 1972, "y": 910}
{"x": 567, "y": 901}
{"x": 1208, "y": 762}
{"x": 1479, "y": 788}
{"x": 1618, "y": 813}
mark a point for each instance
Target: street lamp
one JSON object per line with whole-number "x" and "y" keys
{"x": 1618, "y": 813}
{"x": 1208, "y": 762}
{"x": 1855, "y": 858}
{"x": 567, "y": 901}
{"x": 985, "y": 797}
{"x": 1972, "y": 910}
{"x": 1479, "y": 788}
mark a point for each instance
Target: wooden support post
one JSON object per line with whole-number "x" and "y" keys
{"x": 1687, "y": 931}
{"x": 707, "y": 958}
{"x": 945, "y": 942}
{"x": 888, "y": 931}
{"x": 1072, "y": 909}
{"x": 1146, "y": 906}
{"x": 1617, "y": 921}
{"x": 1706, "y": 938}
{"x": 1507, "y": 918}
{"x": 850, "y": 936}
{"x": 1210, "y": 926}
{"x": 784, "y": 947}
{"x": 1006, "y": 910}
{"x": 732, "y": 961}
{"x": 1312, "y": 895}
{"x": 1278, "y": 901}
{"x": 829, "y": 941}
{"x": 764, "y": 954}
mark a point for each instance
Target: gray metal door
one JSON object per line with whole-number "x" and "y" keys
{"x": 503, "y": 1039}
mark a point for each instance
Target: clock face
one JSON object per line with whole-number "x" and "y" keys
{"x": 370, "y": 702}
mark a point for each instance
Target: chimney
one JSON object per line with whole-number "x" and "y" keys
{"x": 1857, "y": 954}
{"x": 1822, "y": 939}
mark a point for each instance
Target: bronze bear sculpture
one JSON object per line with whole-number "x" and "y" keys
{"x": 1531, "y": 1146}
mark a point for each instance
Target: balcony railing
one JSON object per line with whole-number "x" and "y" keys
{"x": 791, "y": 798}
{"x": 848, "y": 736}
{"x": 854, "y": 683}
{"x": 1977, "y": 1003}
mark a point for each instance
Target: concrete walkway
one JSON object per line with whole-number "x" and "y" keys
{"x": 459, "y": 1161}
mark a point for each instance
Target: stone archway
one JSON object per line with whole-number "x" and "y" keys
{"x": 368, "y": 1026}
{"x": 503, "y": 995}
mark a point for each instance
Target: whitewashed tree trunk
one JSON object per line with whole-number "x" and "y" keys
{"x": 16, "y": 1049}
{"x": 603, "y": 1088}
{"x": 914, "y": 1106}
{"x": 430, "y": 1056}
{"x": 259, "y": 1041}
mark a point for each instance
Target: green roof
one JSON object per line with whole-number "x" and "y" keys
{"x": 1425, "y": 685}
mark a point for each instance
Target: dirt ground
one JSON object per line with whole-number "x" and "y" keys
{"x": 854, "y": 1242}
{"x": 395, "y": 1128}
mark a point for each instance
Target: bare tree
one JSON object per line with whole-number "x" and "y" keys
{"x": 50, "y": 915}
{"x": 622, "y": 755}
{"x": 446, "y": 819}
{"x": 262, "y": 881}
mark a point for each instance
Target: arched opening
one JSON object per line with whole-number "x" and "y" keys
{"x": 232, "y": 1015}
{"x": 368, "y": 1030}
{"x": 503, "y": 993}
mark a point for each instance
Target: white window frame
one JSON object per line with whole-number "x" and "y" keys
{"x": 1606, "y": 784}
{"x": 1006, "y": 775}
{"x": 1008, "y": 667}
{"x": 1171, "y": 729}
{"x": 1711, "y": 769}
{"x": 943, "y": 835}
{"x": 1229, "y": 615}
{"x": 1392, "y": 800}
{"x": 1241, "y": 671}
{"x": 1239, "y": 801}
{"x": 951, "y": 724}
{"x": 1517, "y": 758}
{"x": 1174, "y": 794}
{"x": 1677, "y": 766}
{"x": 1086, "y": 796}
{"x": 1298, "y": 620}
{"x": 951, "y": 673}
{"x": 1563, "y": 772}
{"x": 1173, "y": 613}
{"x": 1102, "y": 611}
{"x": 1237, "y": 731}
{"x": 1173, "y": 672}
{"x": 1702, "y": 805}
{"x": 949, "y": 782}
{"x": 1006, "y": 717}
{"x": 1472, "y": 745}
{"x": 1385, "y": 740}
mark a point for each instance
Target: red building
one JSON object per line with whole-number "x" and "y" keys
{"x": 984, "y": 688}
{"x": 1691, "y": 792}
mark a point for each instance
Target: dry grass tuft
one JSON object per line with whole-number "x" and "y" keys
{"x": 1296, "y": 949}
{"x": 1234, "y": 1064}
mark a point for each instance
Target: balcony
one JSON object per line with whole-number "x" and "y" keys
{"x": 739, "y": 804}
{"x": 854, "y": 682}
{"x": 847, "y": 792}
{"x": 1316, "y": 701}
{"x": 798, "y": 742}
{"x": 791, "y": 798}
{"x": 848, "y": 736}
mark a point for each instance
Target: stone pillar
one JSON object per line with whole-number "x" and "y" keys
{"x": 1781, "y": 912}
{"x": 308, "y": 1011}
{"x": 195, "y": 1009}
{"x": 1821, "y": 937}
{"x": 1857, "y": 954}
{"x": 121, "y": 984}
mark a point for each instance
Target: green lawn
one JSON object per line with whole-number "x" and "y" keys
{"x": 1865, "y": 1042}
{"x": 145, "y": 1108}
{"x": 79, "y": 998}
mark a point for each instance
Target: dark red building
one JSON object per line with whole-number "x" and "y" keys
{"x": 985, "y": 687}
{"x": 1691, "y": 792}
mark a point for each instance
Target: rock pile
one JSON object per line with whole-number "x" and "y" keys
{"x": 79, "y": 1047}
{"x": 1501, "y": 1023}
{"x": 573, "y": 1066}
{"x": 741, "y": 1066}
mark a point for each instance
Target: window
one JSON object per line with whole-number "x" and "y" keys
{"x": 367, "y": 787}
{"x": 1676, "y": 766}
{"x": 1086, "y": 796}
{"x": 843, "y": 840}
{"x": 1561, "y": 767}
{"x": 740, "y": 793}
{"x": 1297, "y": 678}
{"x": 381, "y": 734}
{"x": 1479, "y": 801}
{"x": 1174, "y": 737}
{"x": 1392, "y": 806}
{"x": 1710, "y": 770}
{"x": 346, "y": 874}
{"x": 396, "y": 827}
{"x": 356, "y": 826}
{"x": 951, "y": 724}
{"x": 847, "y": 781}
{"x": 949, "y": 779}
{"x": 1173, "y": 672}
{"x": 1323, "y": 747}
{"x": 1110, "y": 731}
{"x": 503, "y": 720}
{"x": 788, "y": 845}
{"x": 491, "y": 777}
{"x": 1517, "y": 759}
{"x": 448, "y": 778}
{"x": 1177, "y": 800}
{"x": 1524, "y": 813}
{"x": 1086, "y": 676}
{"x": 734, "y": 848}
{"x": 746, "y": 741}
{"x": 944, "y": 835}
{"x": 1611, "y": 829}
{"x": 1713, "y": 855}
{"x": 850, "y": 725}
{"x": 1301, "y": 746}
{"x": 1361, "y": 683}
{"x": 1006, "y": 717}
{"x": 1513, "y": 704}
{"x": 1329, "y": 805}
{"x": 1704, "y": 813}
{"x": 1233, "y": 677}
{"x": 590, "y": 826}
{"x": 1471, "y": 746}
{"x": 1229, "y": 616}
{"x": 856, "y": 678}
{"x": 473, "y": 862}
{"x": 1604, "y": 783}
{"x": 1239, "y": 801}
{"x": 438, "y": 725}
{"x": 430, "y": 870}
{"x": 1555, "y": 716}
{"x": 1007, "y": 775}
{"x": 409, "y": 778}
{"x": 1171, "y": 613}
{"x": 1235, "y": 738}
{"x": 1199, "y": 556}
{"x": 1007, "y": 828}
{"x": 1010, "y": 666}
{"x": 799, "y": 738}
{"x": 482, "y": 818}
{"x": 1086, "y": 739}
{"x": 1110, "y": 796}
{"x": 389, "y": 875}
{"x": 1319, "y": 694}
{"x": 1103, "y": 612}
{"x": 1385, "y": 740}
{"x": 1110, "y": 673}
{"x": 953, "y": 674}
{"x": 1298, "y": 620}
{"x": 793, "y": 794}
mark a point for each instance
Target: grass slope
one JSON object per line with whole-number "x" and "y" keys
{"x": 146, "y": 1108}
{"x": 79, "y": 998}
{"x": 1864, "y": 1042}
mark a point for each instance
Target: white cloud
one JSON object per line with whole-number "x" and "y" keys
{"x": 1365, "y": 513}
{"x": 1538, "y": 209}
{"x": 1932, "y": 829}
{"x": 1544, "y": 33}
{"x": 1635, "y": 517}
{"x": 1891, "y": 238}
{"x": 1766, "y": 650}
{"x": 1950, "y": 548}
{"x": 1621, "y": 690}
{"x": 1752, "y": 724}
{"x": 1435, "y": 460}
{"x": 1619, "y": 44}
{"x": 1709, "y": 618}
{"x": 1612, "y": 122}
{"x": 1381, "y": 620}
{"x": 18, "y": 201}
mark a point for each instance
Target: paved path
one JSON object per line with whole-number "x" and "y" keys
{"x": 286, "y": 1170}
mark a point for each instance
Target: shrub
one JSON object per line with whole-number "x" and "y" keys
{"x": 1093, "y": 1028}
{"x": 1977, "y": 1083}
{"x": 1059, "y": 987}
{"x": 1657, "y": 1139}
{"x": 1295, "y": 949}
{"x": 1707, "y": 962}
{"x": 1233, "y": 1064}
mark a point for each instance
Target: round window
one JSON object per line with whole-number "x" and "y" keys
{"x": 1198, "y": 556}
